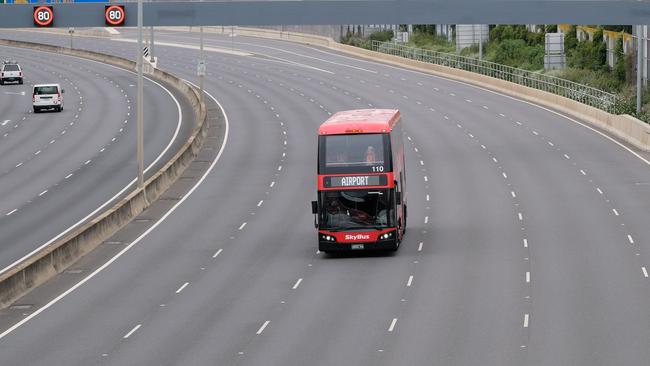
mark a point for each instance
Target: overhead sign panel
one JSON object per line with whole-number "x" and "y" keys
{"x": 114, "y": 15}
{"x": 43, "y": 16}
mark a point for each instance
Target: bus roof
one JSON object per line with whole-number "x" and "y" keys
{"x": 360, "y": 121}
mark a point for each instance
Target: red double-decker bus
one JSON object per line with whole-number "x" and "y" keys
{"x": 361, "y": 201}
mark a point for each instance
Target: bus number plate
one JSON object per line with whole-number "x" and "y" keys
{"x": 357, "y": 246}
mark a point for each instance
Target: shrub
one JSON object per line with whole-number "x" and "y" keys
{"x": 382, "y": 36}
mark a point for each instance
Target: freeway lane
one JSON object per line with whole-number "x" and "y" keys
{"x": 58, "y": 168}
{"x": 526, "y": 242}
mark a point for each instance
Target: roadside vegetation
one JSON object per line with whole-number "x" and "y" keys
{"x": 515, "y": 46}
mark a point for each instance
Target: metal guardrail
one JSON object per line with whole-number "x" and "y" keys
{"x": 578, "y": 92}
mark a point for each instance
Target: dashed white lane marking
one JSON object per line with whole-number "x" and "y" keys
{"x": 242, "y": 226}
{"x": 550, "y": 143}
{"x": 535, "y": 133}
{"x": 272, "y": 184}
{"x": 629, "y": 238}
{"x": 526, "y": 320}
{"x": 599, "y": 190}
{"x": 19, "y": 164}
{"x": 513, "y": 194}
{"x": 420, "y": 246}
{"x": 52, "y": 141}
{"x": 182, "y": 287}
{"x": 259, "y": 331}
{"x": 525, "y": 243}
{"x": 409, "y": 282}
{"x": 295, "y": 286}
{"x": 567, "y": 156}
{"x": 615, "y": 211}
{"x": 421, "y": 162}
{"x": 130, "y": 333}
{"x": 505, "y": 176}
{"x": 527, "y": 277}
{"x": 427, "y": 197}
{"x": 485, "y": 107}
{"x": 483, "y": 147}
{"x": 416, "y": 149}
{"x": 502, "y": 115}
{"x": 280, "y": 168}
{"x": 521, "y": 216}
{"x": 260, "y": 203}
{"x": 4, "y": 123}
{"x": 470, "y": 135}
{"x": 87, "y": 162}
{"x": 215, "y": 255}
{"x": 11, "y": 212}
{"x": 583, "y": 172}
{"x": 68, "y": 176}
{"x": 392, "y": 325}
{"x": 38, "y": 152}
{"x": 426, "y": 219}
{"x": 519, "y": 123}
{"x": 426, "y": 179}
{"x": 495, "y": 160}
{"x": 645, "y": 272}
{"x": 42, "y": 193}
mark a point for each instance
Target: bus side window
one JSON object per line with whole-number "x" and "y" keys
{"x": 398, "y": 194}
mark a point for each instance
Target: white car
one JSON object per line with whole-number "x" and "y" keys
{"x": 10, "y": 71}
{"x": 47, "y": 96}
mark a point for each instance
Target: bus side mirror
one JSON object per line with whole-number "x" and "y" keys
{"x": 398, "y": 197}
{"x": 314, "y": 210}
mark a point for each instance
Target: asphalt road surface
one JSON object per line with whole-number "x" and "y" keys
{"x": 527, "y": 241}
{"x": 57, "y": 170}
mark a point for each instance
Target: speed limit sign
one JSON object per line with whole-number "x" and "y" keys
{"x": 43, "y": 16}
{"x": 114, "y": 15}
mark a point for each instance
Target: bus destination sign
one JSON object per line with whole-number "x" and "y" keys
{"x": 355, "y": 181}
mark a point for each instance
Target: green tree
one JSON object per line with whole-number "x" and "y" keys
{"x": 619, "y": 66}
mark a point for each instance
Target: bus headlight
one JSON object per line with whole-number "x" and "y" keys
{"x": 386, "y": 236}
{"x": 326, "y": 237}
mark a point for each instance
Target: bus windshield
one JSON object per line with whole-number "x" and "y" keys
{"x": 357, "y": 209}
{"x": 358, "y": 153}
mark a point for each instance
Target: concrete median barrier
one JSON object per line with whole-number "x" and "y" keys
{"x": 58, "y": 256}
{"x": 625, "y": 127}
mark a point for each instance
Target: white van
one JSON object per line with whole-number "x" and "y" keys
{"x": 47, "y": 96}
{"x": 10, "y": 71}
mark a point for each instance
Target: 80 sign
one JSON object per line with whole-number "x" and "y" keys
{"x": 43, "y": 16}
{"x": 114, "y": 15}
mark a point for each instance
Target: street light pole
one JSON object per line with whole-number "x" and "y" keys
{"x": 201, "y": 62}
{"x": 139, "y": 107}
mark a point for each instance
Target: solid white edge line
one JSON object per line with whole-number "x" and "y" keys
{"x": 169, "y": 145}
{"x": 259, "y": 331}
{"x": 392, "y": 325}
{"x": 182, "y": 287}
{"x": 130, "y": 333}
{"x": 138, "y": 239}
{"x": 297, "y": 284}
